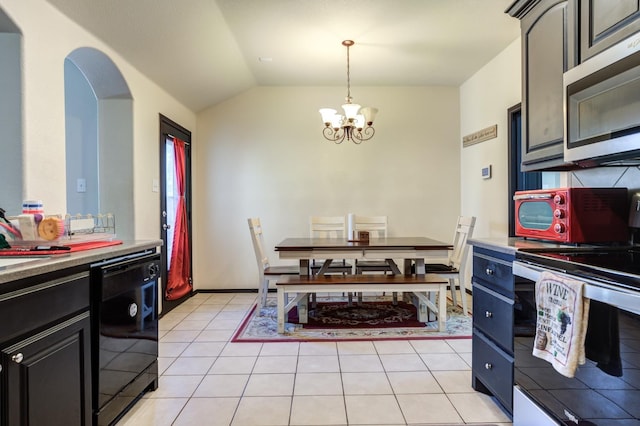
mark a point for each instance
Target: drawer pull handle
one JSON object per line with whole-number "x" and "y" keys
{"x": 489, "y": 271}
{"x": 488, "y": 366}
{"x": 488, "y": 314}
{"x": 17, "y": 358}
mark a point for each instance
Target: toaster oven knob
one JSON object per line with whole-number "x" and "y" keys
{"x": 558, "y": 213}
{"x": 558, "y": 199}
{"x": 559, "y": 228}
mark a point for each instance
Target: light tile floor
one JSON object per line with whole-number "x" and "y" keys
{"x": 207, "y": 380}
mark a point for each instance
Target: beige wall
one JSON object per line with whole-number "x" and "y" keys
{"x": 484, "y": 101}
{"x": 47, "y": 38}
{"x": 262, "y": 154}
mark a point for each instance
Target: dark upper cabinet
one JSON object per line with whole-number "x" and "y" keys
{"x": 604, "y": 23}
{"x": 547, "y": 52}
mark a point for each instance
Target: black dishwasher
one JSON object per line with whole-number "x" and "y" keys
{"x": 124, "y": 330}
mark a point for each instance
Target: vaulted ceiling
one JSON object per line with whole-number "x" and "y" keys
{"x": 205, "y": 51}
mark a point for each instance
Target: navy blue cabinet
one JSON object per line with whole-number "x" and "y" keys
{"x": 493, "y": 325}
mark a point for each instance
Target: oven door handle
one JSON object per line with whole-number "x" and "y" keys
{"x": 615, "y": 296}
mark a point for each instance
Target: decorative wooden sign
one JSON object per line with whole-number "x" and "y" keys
{"x": 480, "y": 136}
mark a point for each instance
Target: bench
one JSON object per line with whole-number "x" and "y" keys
{"x": 419, "y": 285}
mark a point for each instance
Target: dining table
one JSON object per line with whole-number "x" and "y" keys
{"x": 414, "y": 252}
{"x": 418, "y": 250}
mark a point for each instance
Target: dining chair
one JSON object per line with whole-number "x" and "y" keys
{"x": 377, "y": 228}
{"x": 454, "y": 268}
{"x": 329, "y": 227}
{"x": 266, "y": 270}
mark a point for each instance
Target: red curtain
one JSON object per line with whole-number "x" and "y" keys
{"x": 179, "y": 280}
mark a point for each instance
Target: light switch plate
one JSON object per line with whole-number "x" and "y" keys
{"x": 81, "y": 185}
{"x": 155, "y": 185}
{"x": 486, "y": 172}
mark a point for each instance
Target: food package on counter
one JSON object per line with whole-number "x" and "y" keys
{"x": 51, "y": 228}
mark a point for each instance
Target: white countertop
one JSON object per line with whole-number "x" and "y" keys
{"x": 16, "y": 268}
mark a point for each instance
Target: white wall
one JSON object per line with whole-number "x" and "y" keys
{"x": 484, "y": 100}
{"x": 47, "y": 38}
{"x": 262, "y": 154}
{"x": 10, "y": 107}
{"x": 81, "y": 125}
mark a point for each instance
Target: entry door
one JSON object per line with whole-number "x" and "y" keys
{"x": 169, "y": 200}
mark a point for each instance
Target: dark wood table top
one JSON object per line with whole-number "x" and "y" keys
{"x": 393, "y": 243}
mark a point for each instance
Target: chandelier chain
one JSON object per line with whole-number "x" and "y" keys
{"x": 348, "y": 78}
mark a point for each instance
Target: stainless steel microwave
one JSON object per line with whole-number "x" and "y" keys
{"x": 602, "y": 107}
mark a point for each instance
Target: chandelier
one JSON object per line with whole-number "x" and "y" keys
{"x": 356, "y": 125}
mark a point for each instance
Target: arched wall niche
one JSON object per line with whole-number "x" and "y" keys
{"x": 12, "y": 157}
{"x": 99, "y": 139}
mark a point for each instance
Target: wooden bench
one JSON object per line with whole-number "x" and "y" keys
{"x": 419, "y": 285}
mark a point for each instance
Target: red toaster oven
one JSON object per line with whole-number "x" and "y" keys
{"x": 573, "y": 215}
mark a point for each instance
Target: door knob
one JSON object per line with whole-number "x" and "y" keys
{"x": 165, "y": 227}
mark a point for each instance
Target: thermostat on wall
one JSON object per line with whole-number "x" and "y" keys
{"x": 486, "y": 172}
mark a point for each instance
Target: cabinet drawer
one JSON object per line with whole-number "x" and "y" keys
{"x": 494, "y": 368}
{"x": 43, "y": 303}
{"x": 496, "y": 273}
{"x": 493, "y": 315}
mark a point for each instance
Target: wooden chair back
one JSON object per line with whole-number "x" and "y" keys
{"x": 376, "y": 225}
{"x": 258, "y": 244}
{"x": 464, "y": 231}
{"x": 327, "y": 227}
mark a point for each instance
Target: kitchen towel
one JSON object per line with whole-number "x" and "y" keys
{"x": 561, "y": 322}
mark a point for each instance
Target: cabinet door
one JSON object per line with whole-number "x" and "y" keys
{"x": 604, "y": 23}
{"x": 546, "y": 53}
{"x": 48, "y": 376}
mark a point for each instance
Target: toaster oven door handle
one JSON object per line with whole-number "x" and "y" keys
{"x": 605, "y": 293}
{"x": 533, "y": 196}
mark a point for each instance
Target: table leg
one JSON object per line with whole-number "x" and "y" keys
{"x": 304, "y": 267}
{"x": 281, "y": 309}
{"x": 442, "y": 308}
{"x": 303, "y": 309}
{"x": 303, "y": 304}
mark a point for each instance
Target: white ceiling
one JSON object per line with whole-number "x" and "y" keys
{"x": 205, "y": 51}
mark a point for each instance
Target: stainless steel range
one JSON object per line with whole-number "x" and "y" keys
{"x": 606, "y": 390}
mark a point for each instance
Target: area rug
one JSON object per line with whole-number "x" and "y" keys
{"x": 378, "y": 324}
{"x": 341, "y": 314}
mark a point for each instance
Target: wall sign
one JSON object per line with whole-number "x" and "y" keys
{"x": 480, "y": 136}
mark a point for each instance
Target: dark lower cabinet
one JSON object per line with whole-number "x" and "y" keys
{"x": 45, "y": 350}
{"x": 493, "y": 325}
{"x": 492, "y": 370}
{"x": 47, "y": 376}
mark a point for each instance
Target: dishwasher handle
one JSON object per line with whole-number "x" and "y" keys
{"x": 619, "y": 297}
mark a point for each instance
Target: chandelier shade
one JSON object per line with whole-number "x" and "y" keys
{"x": 356, "y": 125}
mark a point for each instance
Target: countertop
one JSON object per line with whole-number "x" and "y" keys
{"x": 29, "y": 267}
{"x": 510, "y": 245}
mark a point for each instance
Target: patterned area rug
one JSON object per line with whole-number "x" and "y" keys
{"x": 339, "y": 314}
{"x": 378, "y": 324}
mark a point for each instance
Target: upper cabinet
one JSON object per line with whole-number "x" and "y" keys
{"x": 558, "y": 35}
{"x": 547, "y": 52}
{"x": 603, "y": 23}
